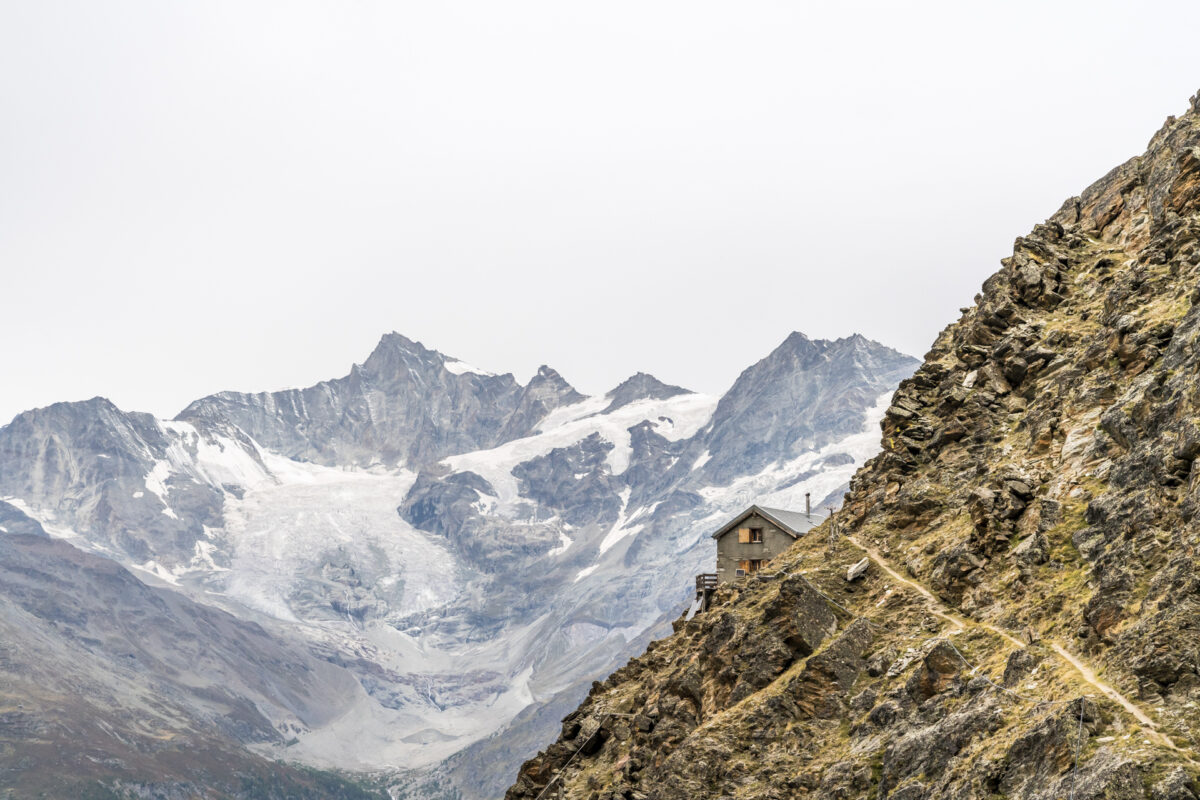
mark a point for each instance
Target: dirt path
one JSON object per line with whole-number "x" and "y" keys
{"x": 1111, "y": 693}
{"x": 941, "y": 610}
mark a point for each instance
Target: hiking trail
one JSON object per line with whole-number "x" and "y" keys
{"x": 945, "y": 612}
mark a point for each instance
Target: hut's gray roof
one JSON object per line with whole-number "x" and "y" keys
{"x": 793, "y": 523}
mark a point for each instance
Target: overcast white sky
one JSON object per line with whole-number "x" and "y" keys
{"x": 241, "y": 195}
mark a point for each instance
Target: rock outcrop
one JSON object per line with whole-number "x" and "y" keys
{"x": 1027, "y": 627}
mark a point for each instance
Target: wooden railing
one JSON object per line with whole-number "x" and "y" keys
{"x": 706, "y": 587}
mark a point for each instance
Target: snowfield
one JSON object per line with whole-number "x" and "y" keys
{"x": 461, "y": 368}
{"x": 674, "y": 418}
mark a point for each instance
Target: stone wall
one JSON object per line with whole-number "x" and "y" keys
{"x": 730, "y": 551}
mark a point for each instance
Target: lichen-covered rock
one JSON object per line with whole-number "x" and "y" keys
{"x": 1177, "y": 785}
{"x": 802, "y": 616}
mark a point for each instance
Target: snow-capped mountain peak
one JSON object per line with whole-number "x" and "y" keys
{"x": 471, "y": 550}
{"x": 641, "y": 386}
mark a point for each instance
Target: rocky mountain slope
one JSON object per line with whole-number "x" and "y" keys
{"x": 441, "y": 560}
{"x": 1023, "y": 623}
{"x": 103, "y": 675}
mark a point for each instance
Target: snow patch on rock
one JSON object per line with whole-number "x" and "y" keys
{"x": 462, "y": 368}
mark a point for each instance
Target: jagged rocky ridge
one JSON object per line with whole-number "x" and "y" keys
{"x": 1026, "y": 626}
{"x": 460, "y": 554}
{"x": 406, "y": 404}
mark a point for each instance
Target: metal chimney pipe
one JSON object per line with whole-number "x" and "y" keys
{"x": 807, "y": 505}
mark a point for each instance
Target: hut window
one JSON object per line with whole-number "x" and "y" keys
{"x": 756, "y": 535}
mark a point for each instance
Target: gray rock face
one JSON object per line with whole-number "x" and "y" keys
{"x": 405, "y": 405}
{"x": 802, "y": 396}
{"x": 574, "y": 482}
{"x": 88, "y": 462}
{"x": 454, "y": 543}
